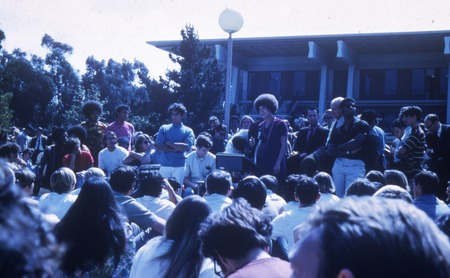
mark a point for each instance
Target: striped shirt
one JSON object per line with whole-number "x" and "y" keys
{"x": 415, "y": 145}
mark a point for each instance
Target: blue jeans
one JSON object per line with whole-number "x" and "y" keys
{"x": 346, "y": 171}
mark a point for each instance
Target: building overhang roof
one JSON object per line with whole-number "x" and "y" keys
{"x": 362, "y": 44}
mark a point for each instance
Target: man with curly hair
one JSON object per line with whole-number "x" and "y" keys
{"x": 174, "y": 141}
{"x": 237, "y": 238}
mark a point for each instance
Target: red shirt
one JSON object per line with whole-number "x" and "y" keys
{"x": 82, "y": 162}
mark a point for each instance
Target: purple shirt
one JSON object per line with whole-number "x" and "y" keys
{"x": 122, "y": 130}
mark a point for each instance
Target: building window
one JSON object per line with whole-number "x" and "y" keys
{"x": 413, "y": 84}
{"x": 285, "y": 85}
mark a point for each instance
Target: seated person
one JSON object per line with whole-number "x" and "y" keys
{"x": 58, "y": 202}
{"x": 142, "y": 153}
{"x": 370, "y": 237}
{"x": 149, "y": 191}
{"x": 112, "y": 156}
{"x": 121, "y": 181}
{"x": 76, "y": 159}
{"x": 218, "y": 188}
{"x": 237, "y": 239}
{"x": 199, "y": 164}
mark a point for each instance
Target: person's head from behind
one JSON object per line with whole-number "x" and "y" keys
{"x": 9, "y": 151}
{"x": 94, "y": 172}
{"x": 203, "y": 144}
{"x": 25, "y": 180}
{"x": 63, "y": 180}
{"x": 394, "y": 192}
{"x": 92, "y": 110}
{"x": 77, "y": 131}
{"x": 218, "y": 182}
{"x": 95, "y": 212}
{"x": 325, "y": 182}
{"x": 425, "y": 183}
{"x": 239, "y": 143}
{"x": 96, "y": 195}
{"x": 122, "y": 179}
{"x": 59, "y": 136}
{"x": 270, "y": 181}
{"x": 375, "y": 176}
{"x": 234, "y": 233}
{"x": 185, "y": 220}
{"x": 369, "y": 116}
{"x": 307, "y": 191}
{"x": 361, "y": 187}
{"x": 150, "y": 184}
{"x": 370, "y": 237}
{"x": 291, "y": 183}
{"x": 253, "y": 190}
{"x": 396, "y": 177}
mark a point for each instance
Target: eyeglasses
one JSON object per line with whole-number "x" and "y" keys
{"x": 146, "y": 142}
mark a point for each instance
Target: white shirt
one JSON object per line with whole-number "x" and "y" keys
{"x": 197, "y": 168}
{"x": 328, "y": 198}
{"x": 217, "y": 202}
{"x": 146, "y": 265}
{"x": 55, "y": 203}
{"x": 284, "y": 224}
{"x": 161, "y": 207}
{"x": 275, "y": 199}
{"x": 109, "y": 161}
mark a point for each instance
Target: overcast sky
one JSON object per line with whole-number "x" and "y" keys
{"x": 119, "y": 29}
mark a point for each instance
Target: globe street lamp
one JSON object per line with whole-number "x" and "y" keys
{"x": 230, "y": 21}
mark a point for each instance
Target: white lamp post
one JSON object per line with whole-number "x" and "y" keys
{"x": 230, "y": 21}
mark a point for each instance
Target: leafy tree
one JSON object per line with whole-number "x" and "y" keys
{"x": 67, "y": 97}
{"x": 31, "y": 88}
{"x": 199, "y": 82}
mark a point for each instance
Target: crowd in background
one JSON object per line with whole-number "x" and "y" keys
{"x": 106, "y": 200}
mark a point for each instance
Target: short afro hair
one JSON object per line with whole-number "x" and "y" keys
{"x": 267, "y": 100}
{"x": 91, "y": 107}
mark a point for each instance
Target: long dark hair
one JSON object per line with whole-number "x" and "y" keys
{"x": 182, "y": 227}
{"x": 92, "y": 229}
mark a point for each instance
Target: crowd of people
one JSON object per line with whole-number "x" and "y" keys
{"x": 328, "y": 198}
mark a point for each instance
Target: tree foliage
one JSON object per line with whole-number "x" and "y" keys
{"x": 49, "y": 92}
{"x": 199, "y": 82}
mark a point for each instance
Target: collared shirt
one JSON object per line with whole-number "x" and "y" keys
{"x": 431, "y": 205}
{"x": 160, "y": 207}
{"x": 217, "y": 202}
{"x": 197, "y": 168}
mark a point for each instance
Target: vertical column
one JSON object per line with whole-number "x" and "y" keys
{"x": 323, "y": 89}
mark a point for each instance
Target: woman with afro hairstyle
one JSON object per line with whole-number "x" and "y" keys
{"x": 271, "y": 144}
